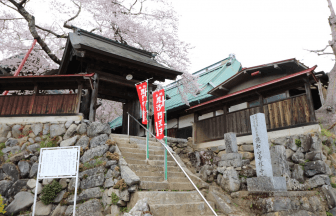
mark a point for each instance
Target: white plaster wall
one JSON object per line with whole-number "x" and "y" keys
{"x": 205, "y": 116}
{"x": 238, "y": 107}
{"x": 271, "y": 135}
{"x": 39, "y": 119}
{"x": 172, "y": 123}
{"x": 219, "y": 112}
{"x": 186, "y": 121}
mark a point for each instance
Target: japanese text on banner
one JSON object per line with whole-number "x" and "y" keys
{"x": 159, "y": 112}
{"x": 142, "y": 93}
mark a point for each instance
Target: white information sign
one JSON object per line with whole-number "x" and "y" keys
{"x": 60, "y": 162}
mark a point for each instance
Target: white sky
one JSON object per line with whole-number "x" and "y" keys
{"x": 258, "y": 31}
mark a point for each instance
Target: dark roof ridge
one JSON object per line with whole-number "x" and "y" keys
{"x": 80, "y": 31}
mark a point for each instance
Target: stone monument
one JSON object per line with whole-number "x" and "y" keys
{"x": 232, "y": 157}
{"x": 265, "y": 181}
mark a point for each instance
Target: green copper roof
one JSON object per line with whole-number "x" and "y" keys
{"x": 209, "y": 78}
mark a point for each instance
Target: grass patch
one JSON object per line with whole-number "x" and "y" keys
{"x": 124, "y": 209}
{"x": 50, "y": 191}
{"x": 2, "y": 206}
{"x": 114, "y": 198}
{"x": 121, "y": 185}
{"x": 298, "y": 142}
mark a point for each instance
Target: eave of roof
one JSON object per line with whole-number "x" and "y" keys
{"x": 47, "y": 76}
{"x": 310, "y": 70}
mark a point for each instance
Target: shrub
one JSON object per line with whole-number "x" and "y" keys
{"x": 121, "y": 185}
{"x": 298, "y": 142}
{"x": 124, "y": 209}
{"x": 49, "y": 192}
{"x": 112, "y": 156}
{"x": 115, "y": 198}
{"x": 2, "y": 206}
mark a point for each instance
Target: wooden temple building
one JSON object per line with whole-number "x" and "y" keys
{"x": 94, "y": 67}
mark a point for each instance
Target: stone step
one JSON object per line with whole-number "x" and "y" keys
{"x": 145, "y": 167}
{"x": 137, "y": 141}
{"x": 160, "y": 174}
{"x": 142, "y": 156}
{"x": 150, "y": 162}
{"x": 161, "y": 179}
{"x": 135, "y": 137}
{"x": 141, "y": 151}
{"x": 142, "y": 147}
{"x": 184, "y": 209}
{"x": 166, "y": 197}
{"x": 152, "y": 185}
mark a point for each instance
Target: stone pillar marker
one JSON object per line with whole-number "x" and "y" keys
{"x": 260, "y": 145}
{"x": 265, "y": 181}
{"x": 230, "y": 141}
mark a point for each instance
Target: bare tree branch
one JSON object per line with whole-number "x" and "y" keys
{"x": 51, "y": 32}
{"x": 32, "y": 28}
{"x": 22, "y": 2}
{"x": 74, "y": 17}
{"x": 11, "y": 19}
{"x": 321, "y": 50}
{"x": 8, "y": 6}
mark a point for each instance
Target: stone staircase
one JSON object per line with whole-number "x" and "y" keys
{"x": 174, "y": 197}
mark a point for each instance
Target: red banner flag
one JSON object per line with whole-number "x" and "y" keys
{"x": 159, "y": 112}
{"x": 142, "y": 90}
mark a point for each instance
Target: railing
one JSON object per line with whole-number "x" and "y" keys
{"x": 171, "y": 154}
{"x": 288, "y": 112}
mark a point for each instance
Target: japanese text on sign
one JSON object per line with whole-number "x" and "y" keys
{"x": 142, "y": 93}
{"x": 159, "y": 112}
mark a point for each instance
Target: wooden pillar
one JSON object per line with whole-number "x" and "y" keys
{"x": 261, "y": 103}
{"x": 94, "y": 95}
{"x": 79, "y": 95}
{"x": 319, "y": 86}
{"x": 85, "y": 103}
{"x": 31, "y": 105}
{"x": 196, "y": 115}
{"x": 309, "y": 100}
{"x": 225, "y": 109}
{"x": 133, "y": 108}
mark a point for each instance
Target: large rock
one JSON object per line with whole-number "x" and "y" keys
{"x": 314, "y": 155}
{"x": 83, "y": 142}
{"x": 37, "y": 128}
{"x": 4, "y": 186}
{"x": 230, "y": 141}
{"x": 291, "y": 143}
{"x": 46, "y": 129}
{"x": 265, "y": 183}
{"x": 11, "y": 142}
{"x": 70, "y": 132}
{"x": 11, "y": 170}
{"x": 140, "y": 207}
{"x": 57, "y": 130}
{"x": 97, "y": 128}
{"x": 315, "y": 167}
{"x": 98, "y": 140}
{"x": 16, "y": 132}
{"x": 91, "y": 153}
{"x": 33, "y": 170}
{"x": 305, "y": 142}
{"x": 22, "y": 201}
{"x": 122, "y": 195}
{"x": 3, "y": 139}
{"x": 295, "y": 185}
{"x": 68, "y": 124}
{"x": 330, "y": 194}
{"x": 279, "y": 161}
{"x": 298, "y": 156}
{"x": 4, "y": 129}
{"x": 59, "y": 210}
{"x": 231, "y": 159}
{"x": 317, "y": 181}
{"x": 90, "y": 208}
{"x": 230, "y": 181}
{"x": 297, "y": 173}
{"x": 34, "y": 147}
{"x": 69, "y": 142}
{"x": 41, "y": 209}
{"x": 316, "y": 143}
{"x": 16, "y": 187}
{"x": 72, "y": 184}
{"x": 129, "y": 176}
{"x": 93, "y": 181}
{"x": 31, "y": 183}
{"x": 91, "y": 172}
{"x": 81, "y": 129}
{"x": 86, "y": 194}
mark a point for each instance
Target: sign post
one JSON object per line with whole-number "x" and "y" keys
{"x": 60, "y": 162}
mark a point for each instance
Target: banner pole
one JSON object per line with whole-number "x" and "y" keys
{"x": 165, "y": 152}
{"x": 147, "y": 134}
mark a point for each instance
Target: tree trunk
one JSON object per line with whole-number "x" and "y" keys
{"x": 326, "y": 114}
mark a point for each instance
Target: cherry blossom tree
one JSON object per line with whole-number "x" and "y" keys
{"x": 327, "y": 113}
{"x": 151, "y": 25}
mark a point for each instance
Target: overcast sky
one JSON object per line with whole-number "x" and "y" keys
{"x": 257, "y": 32}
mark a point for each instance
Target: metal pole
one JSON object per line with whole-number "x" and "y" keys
{"x": 165, "y": 152}
{"x": 171, "y": 154}
{"x": 75, "y": 195}
{"x": 37, "y": 180}
{"x": 147, "y": 134}
{"x": 128, "y": 127}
